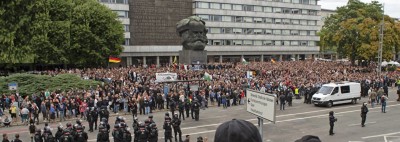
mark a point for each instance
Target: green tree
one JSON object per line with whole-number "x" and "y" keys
{"x": 354, "y": 30}
{"x": 83, "y": 33}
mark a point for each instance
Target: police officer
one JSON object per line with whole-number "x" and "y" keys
{"x": 125, "y": 134}
{"x": 332, "y": 120}
{"x": 32, "y": 129}
{"x": 143, "y": 134}
{"x": 176, "y": 124}
{"x": 147, "y": 125}
{"x": 153, "y": 133}
{"x": 47, "y": 135}
{"x": 104, "y": 113}
{"x": 66, "y": 137}
{"x": 59, "y": 132}
{"x": 181, "y": 107}
{"x": 105, "y": 124}
{"x": 90, "y": 119}
{"x": 95, "y": 116}
{"x": 135, "y": 127}
{"x": 116, "y": 133}
{"x": 102, "y": 136}
{"x": 196, "y": 109}
{"x": 38, "y": 136}
{"x": 80, "y": 135}
{"x": 187, "y": 107}
{"x": 167, "y": 128}
{"x": 69, "y": 127}
{"x": 364, "y": 111}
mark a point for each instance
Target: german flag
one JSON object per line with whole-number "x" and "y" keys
{"x": 114, "y": 60}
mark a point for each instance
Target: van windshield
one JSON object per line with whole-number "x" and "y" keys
{"x": 325, "y": 90}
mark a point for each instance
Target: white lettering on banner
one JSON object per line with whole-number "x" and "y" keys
{"x": 261, "y": 104}
{"x": 161, "y": 77}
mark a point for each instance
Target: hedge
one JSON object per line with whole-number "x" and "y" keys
{"x": 29, "y": 84}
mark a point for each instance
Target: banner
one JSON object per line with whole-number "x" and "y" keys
{"x": 162, "y": 77}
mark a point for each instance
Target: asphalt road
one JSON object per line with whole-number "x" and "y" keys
{"x": 292, "y": 123}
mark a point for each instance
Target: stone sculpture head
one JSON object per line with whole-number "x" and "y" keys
{"x": 193, "y": 32}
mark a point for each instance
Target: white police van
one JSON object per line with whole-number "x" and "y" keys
{"x": 337, "y": 93}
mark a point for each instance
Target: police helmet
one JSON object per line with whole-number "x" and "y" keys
{"x": 69, "y": 124}
{"x": 166, "y": 114}
{"x": 151, "y": 116}
{"x": 104, "y": 119}
{"x": 122, "y": 125}
{"x": 101, "y": 127}
{"x": 147, "y": 121}
{"x": 78, "y": 122}
{"x": 136, "y": 119}
{"x": 153, "y": 125}
{"x": 102, "y": 123}
{"x": 38, "y": 130}
{"x": 60, "y": 127}
{"x": 141, "y": 124}
{"x": 79, "y": 127}
{"x": 66, "y": 131}
{"x": 116, "y": 126}
{"x": 122, "y": 119}
{"x": 176, "y": 114}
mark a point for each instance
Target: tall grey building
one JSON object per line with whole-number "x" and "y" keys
{"x": 256, "y": 30}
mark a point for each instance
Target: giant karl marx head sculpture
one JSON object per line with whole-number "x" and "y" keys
{"x": 193, "y": 32}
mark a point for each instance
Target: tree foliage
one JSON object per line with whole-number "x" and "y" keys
{"x": 29, "y": 84}
{"x": 58, "y": 32}
{"x": 355, "y": 30}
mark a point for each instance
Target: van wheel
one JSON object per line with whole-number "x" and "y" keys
{"x": 330, "y": 104}
{"x": 353, "y": 101}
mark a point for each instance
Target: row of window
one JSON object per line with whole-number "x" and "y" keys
{"x": 240, "y": 19}
{"x": 126, "y": 28}
{"x": 310, "y": 2}
{"x": 115, "y": 1}
{"x": 251, "y": 31}
{"x": 255, "y": 8}
{"x": 261, "y": 42}
{"x": 121, "y": 13}
{"x": 126, "y": 41}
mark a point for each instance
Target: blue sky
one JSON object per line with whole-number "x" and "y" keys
{"x": 392, "y": 7}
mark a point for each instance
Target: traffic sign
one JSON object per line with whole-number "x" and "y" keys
{"x": 12, "y": 86}
{"x": 261, "y": 104}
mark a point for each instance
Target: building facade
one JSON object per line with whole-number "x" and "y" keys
{"x": 256, "y": 30}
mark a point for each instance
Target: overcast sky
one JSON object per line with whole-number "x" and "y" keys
{"x": 392, "y": 7}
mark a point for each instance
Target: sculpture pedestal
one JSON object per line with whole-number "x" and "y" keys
{"x": 189, "y": 57}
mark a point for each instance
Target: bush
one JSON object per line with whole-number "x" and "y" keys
{"x": 29, "y": 84}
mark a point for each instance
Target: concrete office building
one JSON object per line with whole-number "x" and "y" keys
{"x": 121, "y": 7}
{"x": 256, "y": 30}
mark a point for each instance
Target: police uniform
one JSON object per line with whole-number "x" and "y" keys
{"x": 80, "y": 135}
{"x": 125, "y": 134}
{"x": 38, "y": 136}
{"x": 66, "y": 137}
{"x": 116, "y": 133}
{"x": 153, "y": 137}
{"x": 102, "y": 136}
{"x": 176, "y": 124}
{"x": 143, "y": 134}
{"x": 196, "y": 109}
{"x": 167, "y": 129}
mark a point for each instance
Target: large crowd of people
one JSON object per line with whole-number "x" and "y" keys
{"x": 135, "y": 90}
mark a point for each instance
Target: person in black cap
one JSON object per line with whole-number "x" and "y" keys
{"x": 32, "y": 128}
{"x": 176, "y": 124}
{"x": 151, "y": 120}
{"x": 332, "y": 121}
{"x": 309, "y": 138}
{"x": 237, "y": 131}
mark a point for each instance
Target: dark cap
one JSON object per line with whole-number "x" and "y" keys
{"x": 237, "y": 131}
{"x": 309, "y": 138}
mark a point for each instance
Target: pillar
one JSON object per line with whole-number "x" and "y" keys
{"x": 262, "y": 58}
{"x": 220, "y": 58}
{"x": 170, "y": 60}
{"x": 128, "y": 61}
{"x": 144, "y": 60}
{"x": 280, "y": 57}
{"x": 241, "y": 58}
{"x": 297, "y": 57}
{"x": 158, "y": 61}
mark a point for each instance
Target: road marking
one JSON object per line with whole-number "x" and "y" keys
{"x": 384, "y": 137}
{"x": 360, "y": 124}
{"x": 381, "y": 135}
